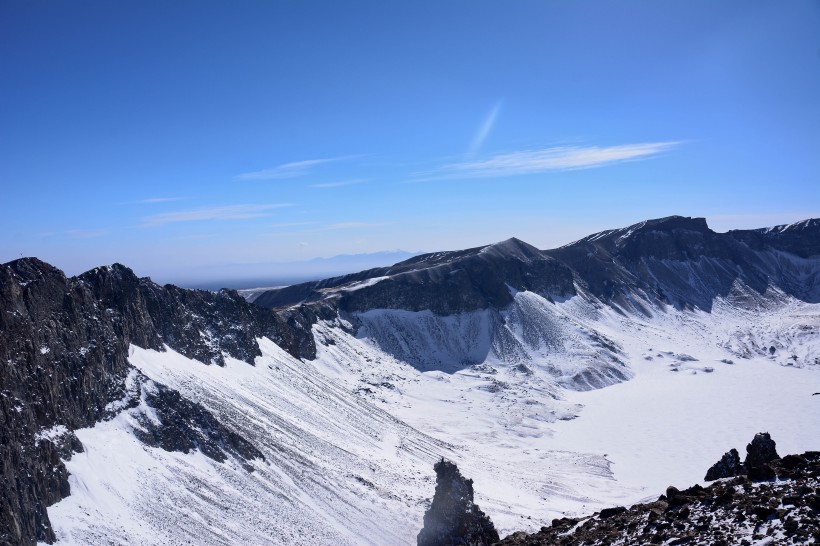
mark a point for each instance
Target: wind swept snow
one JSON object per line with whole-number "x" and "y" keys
{"x": 348, "y": 441}
{"x": 335, "y": 471}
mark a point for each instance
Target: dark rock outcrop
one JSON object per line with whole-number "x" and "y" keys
{"x": 759, "y": 454}
{"x": 728, "y": 466}
{"x": 64, "y": 356}
{"x": 178, "y": 424}
{"x": 760, "y": 451}
{"x": 453, "y": 519}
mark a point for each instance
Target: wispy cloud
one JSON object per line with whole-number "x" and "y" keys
{"x": 292, "y": 224}
{"x": 193, "y": 237}
{"x": 85, "y": 233}
{"x": 560, "y": 158}
{"x": 340, "y": 183}
{"x": 484, "y": 131}
{"x": 231, "y": 212}
{"x": 290, "y": 170}
{"x": 153, "y": 200}
{"x": 353, "y": 225}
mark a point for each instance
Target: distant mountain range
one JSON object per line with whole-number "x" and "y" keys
{"x": 314, "y": 414}
{"x": 262, "y": 274}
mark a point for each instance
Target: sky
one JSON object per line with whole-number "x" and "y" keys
{"x": 195, "y": 136}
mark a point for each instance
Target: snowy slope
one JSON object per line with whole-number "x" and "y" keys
{"x": 349, "y": 440}
{"x": 560, "y": 392}
{"x": 335, "y": 469}
{"x": 693, "y": 393}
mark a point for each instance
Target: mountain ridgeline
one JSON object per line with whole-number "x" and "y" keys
{"x": 64, "y": 358}
{"x": 677, "y": 261}
{"x": 65, "y": 341}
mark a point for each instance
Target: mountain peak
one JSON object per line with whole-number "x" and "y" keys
{"x": 667, "y": 224}
{"x": 513, "y": 247}
{"x": 801, "y": 225}
{"x": 31, "y": 267}
{"x": 677, "y": 222}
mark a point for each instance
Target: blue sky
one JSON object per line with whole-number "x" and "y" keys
{"x": 178, "y": 136}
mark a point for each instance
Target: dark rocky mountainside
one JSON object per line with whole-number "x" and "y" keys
{"x": 682, "y": 262}
{"x": 675, "y": 260}
{"x": 747, "y": 509}
{"x": 443, "y": 282}
{"x": 63, "y": 358}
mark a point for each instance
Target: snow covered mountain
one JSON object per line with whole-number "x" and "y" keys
{"x": 135, "y": 413}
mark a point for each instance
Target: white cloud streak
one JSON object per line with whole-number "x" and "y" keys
{"x": 86, "y": 233}
{"x": 153, "y": 200}
{"x": 352, "y": 225}
{"x": 292, "y": 224}
{"x": 290, "y": 170}
{"x": 484, "y": 131}
{"x": 561, "y": 158}
{"x": 231, "y": 212}
{"x": 339, "y": 184}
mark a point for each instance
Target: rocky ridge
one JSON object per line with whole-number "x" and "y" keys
{"x": 676, "y": 260}
{"x": 63, "y": 362}
{"x": 445, "y": 283}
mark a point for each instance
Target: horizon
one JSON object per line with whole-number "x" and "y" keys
{"x": 256, "y": 275}
{"x": 196, "y": 135}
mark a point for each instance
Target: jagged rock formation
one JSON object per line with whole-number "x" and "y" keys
{"x": 453, "y": 519}
{"x": 741, "y": 510}
{"x": 759, "y": 453}
{"x": 63, "y": 358}
{"x": 728, "y": 466}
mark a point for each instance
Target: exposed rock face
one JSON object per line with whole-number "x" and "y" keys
{"x": 736, "y": 511}
{"x": 63, "y": 357}
{"x": 178, "y": 424}
{"x": 453, "y": 519}
{"x": 760, "y": 451}
{"x": 681, "y": 262}
{"x": 728, "y": 466}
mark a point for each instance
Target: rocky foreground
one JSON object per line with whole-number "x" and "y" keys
{"x": 766, "y": 500}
